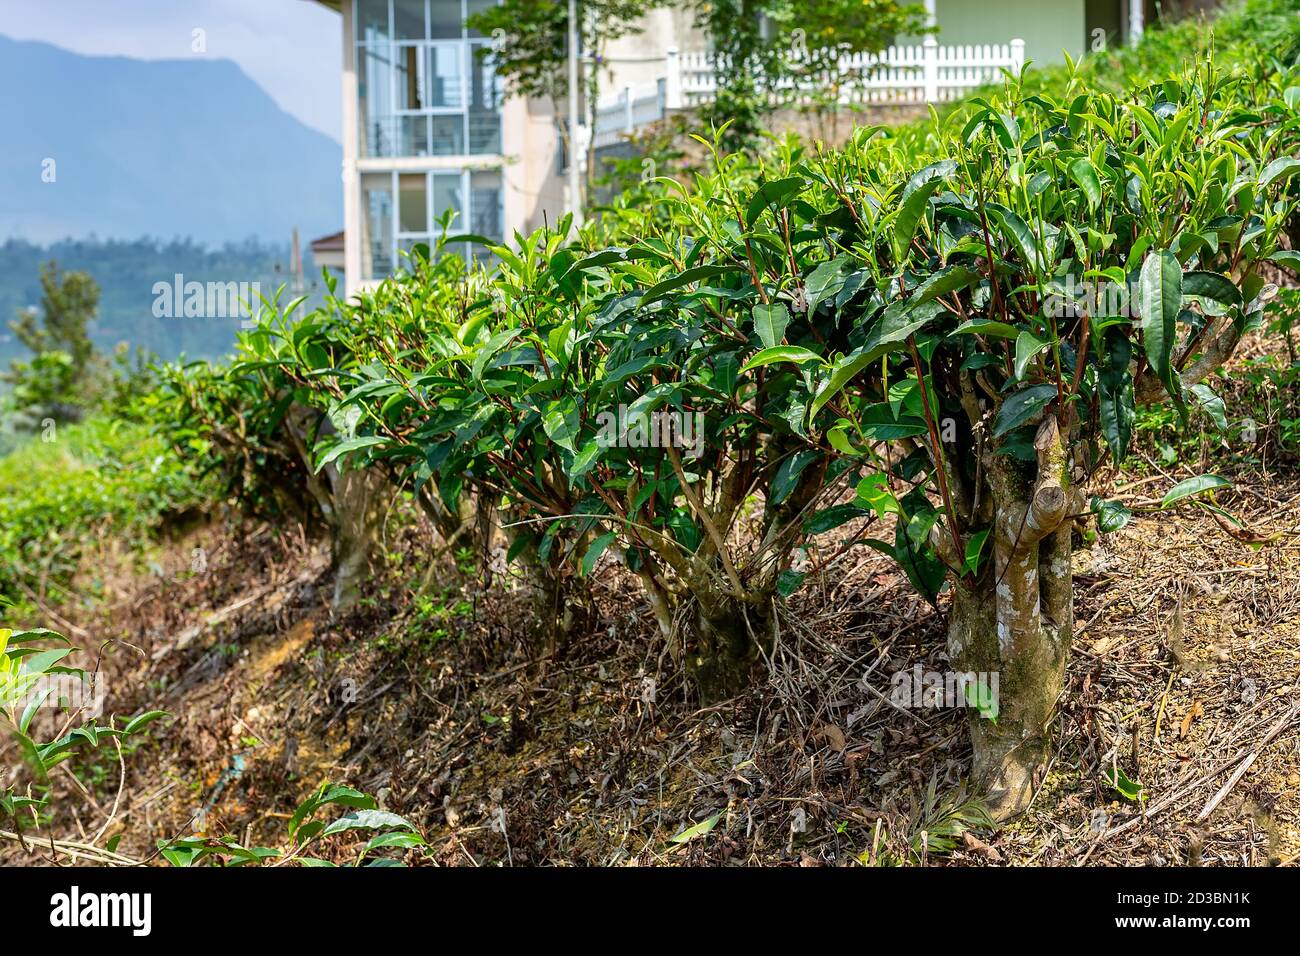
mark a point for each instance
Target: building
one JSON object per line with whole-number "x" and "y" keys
{"x": 427, "y": 130}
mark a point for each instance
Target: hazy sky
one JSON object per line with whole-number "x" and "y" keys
{"x": 291, "y": 48}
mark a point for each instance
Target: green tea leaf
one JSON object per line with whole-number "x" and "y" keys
{"x": 1022, "y": 407}
{"x": 770, "y": 322}
{"x": 912, "y": 205}
{"x": 699, "y": 829}
{"x": 1111, "y": 515}
{"x": 782, "y": 353}
{"x": 1161, "y": 287}
{"x": 367, "y": 820}
{"x": 594, "y": 552}
{"x": 1193, "y": 486}
{"x": 832, "y": 517}
{"x": 974, "y": 549}
{"x": 1085, "y": 174}
{"x": 350, "y": 445}
{"x": 1278, "y": 170}
{"x": 1027, "y": 346}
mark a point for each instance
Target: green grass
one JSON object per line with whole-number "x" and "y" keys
{"x": 96, "y": 478}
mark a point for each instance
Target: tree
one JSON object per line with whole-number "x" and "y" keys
{"x": 743, "y": 61}
{"x": 773, "y": 52}
{"x": 1065, "y": 261}
{"x": 257, "y": 427}
{"x": 531, "y": 53}
{"x": 65, "y": 372}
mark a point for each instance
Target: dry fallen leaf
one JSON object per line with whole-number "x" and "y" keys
{"x": 1196, "y": 710}
{"x": 1244, "y": 534}
{"x": 834, "y": 737}
{"x": 978, "y": 846}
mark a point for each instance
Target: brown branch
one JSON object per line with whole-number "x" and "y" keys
{"x": 937, "y": 448}
{"x": 698, "y": 507}
{"x": 1052, "y": 498}
{"x": 1149, "y": 391}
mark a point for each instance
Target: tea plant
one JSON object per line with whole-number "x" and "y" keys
{"x": 886, "y": 336}
{"x": 35, "y": 679}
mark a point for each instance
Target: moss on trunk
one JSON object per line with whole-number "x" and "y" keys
{"x": 723, "y": 646}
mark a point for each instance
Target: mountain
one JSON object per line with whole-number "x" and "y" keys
{"x": 163, "y": 148}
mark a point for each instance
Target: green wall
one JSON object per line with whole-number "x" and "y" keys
{"x": 1046, "y": 26}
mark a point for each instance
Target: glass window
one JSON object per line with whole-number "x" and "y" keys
{"x": 413, "y": 136}
{"x": 406, "y": 245}
{"x": 485, "y": 200}
{"x": 446, "y": 19}
{"x": 409, "y": 89}
{"x": 448, "y": 196}
{"x": 485, "y": 85}
{"x": 377, "y": 225}
{"x": 447, "y": 137}
{"x": 374, "y": 88}
{"x": 426, "y": 97}
{"x": 413, "y": 202}
{"x": 408, "y": 20}
{"x": 472, "y": 198}
{"x": 447, "y": 75}
{"x": 383, "y": 138}
{"x": 484, "y": 104}
{"x": 372, "y": 21}
{"x": 484, "y": 133}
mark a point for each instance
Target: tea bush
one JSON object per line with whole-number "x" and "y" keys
{"x": 890, "y": 334}
{"x": 35, "y": 678}
{"x": 85, "y": 482}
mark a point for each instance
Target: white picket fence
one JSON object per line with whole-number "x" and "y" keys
{"x": 927, "y": 72}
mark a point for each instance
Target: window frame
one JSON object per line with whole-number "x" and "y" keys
{"x": 391, "y": 54}
{"x": 463, "y": 223}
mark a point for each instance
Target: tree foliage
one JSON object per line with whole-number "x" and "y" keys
{"x": 531, "y": 49}
{"x": 65, "y": 372}
{"x": 771, "y": 52}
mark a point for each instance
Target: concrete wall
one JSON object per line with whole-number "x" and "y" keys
{"x": 638, "y": 59}
{"x": 535, "y": 189}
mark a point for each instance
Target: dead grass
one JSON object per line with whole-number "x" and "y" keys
{"x": 507, "y": 751}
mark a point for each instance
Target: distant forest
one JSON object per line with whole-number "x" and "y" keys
{"x": 127, "y": 271}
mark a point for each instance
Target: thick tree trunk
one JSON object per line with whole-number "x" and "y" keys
{"x": 350, "y": 503}
{"x": 720, "y": 617}
{"x": 726, "y": 633}
{"x": 722, "y": 645}
{"x": 562, "y": 603}
{"x": 1015, "y": 620}
{"x": 1018, "y": 629}
{"x": 357, "y": 514}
